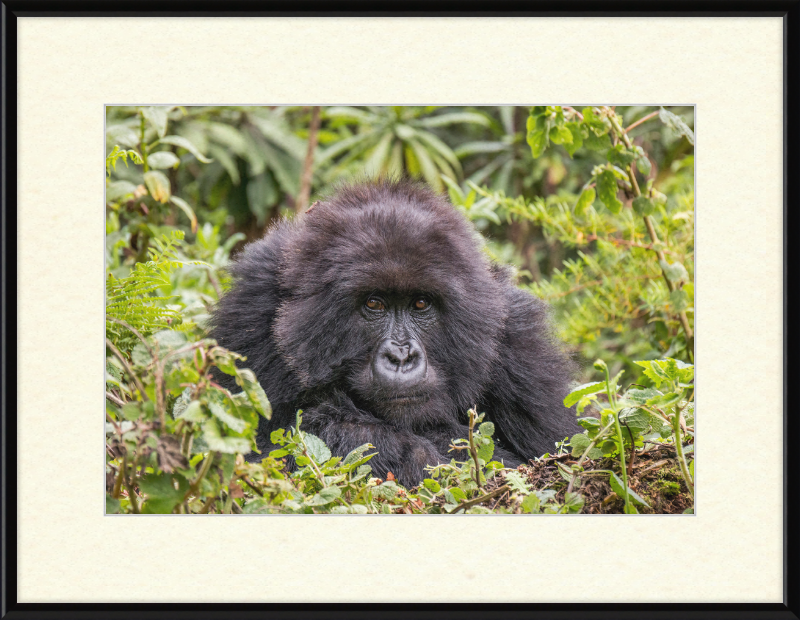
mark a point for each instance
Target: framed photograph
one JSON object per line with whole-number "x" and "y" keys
{"x": 175, "y": 98}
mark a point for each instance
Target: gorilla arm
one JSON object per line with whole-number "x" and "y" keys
{"x": 530, "y": 381}
{"x": 344, "y": 427}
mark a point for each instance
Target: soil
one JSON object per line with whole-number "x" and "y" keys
{"x": 656, "y": 477}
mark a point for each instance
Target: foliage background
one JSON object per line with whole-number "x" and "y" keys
{"x": 245, "y": 171}
{"x": 598, "y": 223}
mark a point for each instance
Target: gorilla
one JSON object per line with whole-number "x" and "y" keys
{"x": 377, "y": 313}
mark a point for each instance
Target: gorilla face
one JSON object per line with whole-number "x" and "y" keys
{"x": 387, "y": 301}
{"x": 396, "y": 379}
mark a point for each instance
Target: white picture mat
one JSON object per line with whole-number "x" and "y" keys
{"x": 730, "y": 68}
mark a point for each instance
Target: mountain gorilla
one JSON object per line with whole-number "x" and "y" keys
{"x": 378, "y": 315}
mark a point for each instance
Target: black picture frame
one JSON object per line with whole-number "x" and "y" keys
{"x": 789, "y": 10}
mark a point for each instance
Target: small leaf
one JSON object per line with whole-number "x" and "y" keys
{"x": 184, "y": 206}
{"x": 583, "y": 390}
{"x": 607, "y": 191}
{"x": 162, "y": 160}
{"x": 577, "y": 138}
{"x": 158, "y": 185}
{"x": 643, "y": 164}
{"x": 530, "y": 504}
{"x": 585, "y": 200}
{"x": 157, "y": 116}
{"x": 325, "y": 496}
{"x": 118, "y": 190}
{"x": 560, "y": 135}
{"x": 486, "y": 429}
{"x": 432, "y": 485}
{"x": 237, "y": 425}
{"x": 643, "y": 206}
{"x": 676, "y": 122}
{"x": 316, "y": 448}
{"x": 216, "y": 441}
{"x": 619, "y": 155}
{"x": 674, "y": 271}
{"x": 185, "y": 144}
{"x": 619, "y": 488}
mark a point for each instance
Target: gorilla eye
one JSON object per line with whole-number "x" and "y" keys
{"x": 375, "y": 304}
{"x": 421, "y": 303}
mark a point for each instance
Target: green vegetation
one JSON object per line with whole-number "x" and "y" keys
{"x": 594, "y": 207}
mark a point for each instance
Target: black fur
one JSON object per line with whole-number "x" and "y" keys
{"x": 297, "y": 311}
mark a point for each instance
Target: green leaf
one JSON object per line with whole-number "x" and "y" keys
{"x": 486, "y": 450}
{"x": 537, "y": 140}
{"x": 217, "y": 442}
{"x": 118, "y": 190}
{"x": 457, "y": 494}
{"x": 193, "y": 413}
{"x": 577, "y": 138}
{"x": 486, "y": 429}
{"x": 607, "y": 191}
{"x": 676, "y": 272}
{"x": 619, "y": 155}
{"x": 237, "y": 425}
{"x": 122, "y": 135}
{"x": 157, "y": 117}
{"x": 357, "y": 456}
{"x": 432, "y": 485}
{"x": 573, "y": 502}
{"x": 387, "y": 490}
{"x": 530, "y": 504}
{"x": 517, "y": 483}
{"x": 619, "y": 488}
{"x": 325, "y": 496}
{"x": 676, "y": 122}
{"x": 580, "y": 442}
{"x": 184, "y": 206}
{"x": 585, "y": 200}
{"x": 255, "y": 392}
{"x": 112, "y": 505}
{"x": 641, "y": 396}
{"x": 443, "y": 120}
{"x": 317, "y": 449}
{"x": 643, "y": 206}
{"x": 158, "y": 185}
{"x": 637, "y": 420}
{"x": 163, "y": 159}
{"x": 163, "y": 491}
{"x": 561, "y": 135}
{"x": 643, "y": 164}
{"x": 186, "y": 144}
{"x": 583, "y": 390}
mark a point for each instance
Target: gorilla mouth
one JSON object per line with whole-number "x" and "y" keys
{"x": 406, "y": 399}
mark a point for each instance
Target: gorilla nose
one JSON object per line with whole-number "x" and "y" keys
{"x": 400, "y": 364}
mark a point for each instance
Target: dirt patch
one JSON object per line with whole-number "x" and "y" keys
{"x": 656, "y": 477}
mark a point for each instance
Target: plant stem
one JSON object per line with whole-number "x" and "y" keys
{"x": 203, "y": 471}
{"x": 129, "y": 486}
{"x": 473, "y": 451}
{"x": 641, "y": 120}
{"x": 308, "y": 165}
{"x": 468, "y": 504}
{"x": 612, "y": 400}
{"x": 676, "y": 433}
{"x": 142, "y": 142}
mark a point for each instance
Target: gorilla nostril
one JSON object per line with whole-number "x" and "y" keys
{"x": 400, "y": 363}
